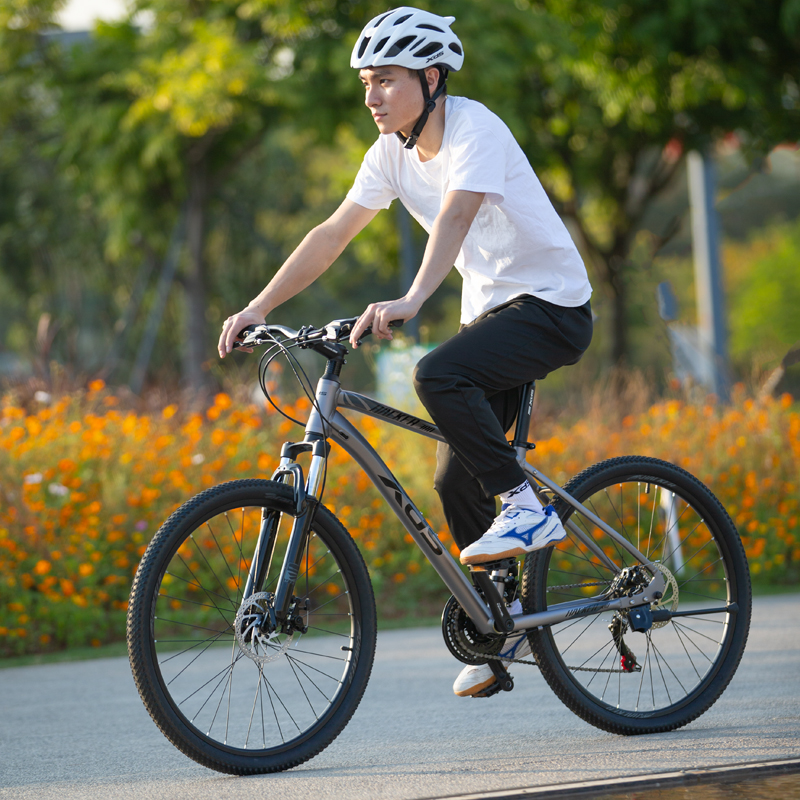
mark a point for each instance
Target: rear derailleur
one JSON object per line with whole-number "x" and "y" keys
{"x": 629, "y": 582}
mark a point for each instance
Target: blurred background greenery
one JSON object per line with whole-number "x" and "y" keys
{"x": 156, "y": 170}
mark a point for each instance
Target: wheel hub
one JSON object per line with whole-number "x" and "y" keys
{"x": 255, "y": 632}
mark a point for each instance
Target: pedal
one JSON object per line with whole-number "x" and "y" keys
{"x": 491, "y": 690}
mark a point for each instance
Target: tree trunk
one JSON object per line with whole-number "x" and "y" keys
{"x": 619, "y": 310}
{"x": 195, "y": 350}
{"x": 609, "y": 269}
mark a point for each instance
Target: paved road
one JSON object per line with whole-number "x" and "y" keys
{"x": 79, "y": 730}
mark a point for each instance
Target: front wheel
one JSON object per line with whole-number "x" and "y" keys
{"x": 618, "y": 679}
{"x": 236, "y": 701}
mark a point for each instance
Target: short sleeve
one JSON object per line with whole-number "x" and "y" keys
{"x": 478, "y": 164}
{"x": 372, "y": 189}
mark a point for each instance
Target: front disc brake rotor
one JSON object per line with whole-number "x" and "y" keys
{"x": 251, "y": 627}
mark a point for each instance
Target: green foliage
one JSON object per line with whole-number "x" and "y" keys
{"x": 247, "y": 112}
{"x": 765, "y": 297}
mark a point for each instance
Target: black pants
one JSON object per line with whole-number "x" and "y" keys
{"x": 469, "y": 385}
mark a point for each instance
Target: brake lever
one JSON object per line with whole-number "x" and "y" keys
{"x": 251, "y": 336}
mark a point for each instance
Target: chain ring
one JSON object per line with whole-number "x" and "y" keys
{"x": 257, "y": 645}
{"x": 463, "y": 640}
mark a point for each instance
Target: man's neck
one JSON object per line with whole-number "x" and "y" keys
{"x": 430, "y": 140}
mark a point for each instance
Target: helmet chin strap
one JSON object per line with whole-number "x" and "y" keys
{"x": 430, "y": 107}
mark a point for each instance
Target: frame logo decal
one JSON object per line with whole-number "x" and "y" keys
{"x": 401, "y": 416}
{"x": 388, "y": 412}
{"x": 584, "y": 610}
{"x": 430, "y": 537}
{"x": 291, "y": 573}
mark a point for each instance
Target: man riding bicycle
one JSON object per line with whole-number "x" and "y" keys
{"x": 525, "y": 301}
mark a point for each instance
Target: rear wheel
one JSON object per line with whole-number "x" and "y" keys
{"x": 233, "y": 700}
{"x": 617, "y": 679}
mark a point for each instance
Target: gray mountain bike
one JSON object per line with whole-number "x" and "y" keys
{"x": 252, "y": 623}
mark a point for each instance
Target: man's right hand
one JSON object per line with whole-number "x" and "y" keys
{"x": 232, "y": 326}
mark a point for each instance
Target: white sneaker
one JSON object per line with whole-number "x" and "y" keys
{"x": 473, "y": 680}
{"x": 516, "y": 531}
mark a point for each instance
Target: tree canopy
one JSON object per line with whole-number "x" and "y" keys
{"x": 239, "y": 122}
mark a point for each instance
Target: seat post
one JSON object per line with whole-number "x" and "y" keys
{"x": 520, "y": 440}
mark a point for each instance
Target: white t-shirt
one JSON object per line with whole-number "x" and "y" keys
{"x": 517, "y": 244}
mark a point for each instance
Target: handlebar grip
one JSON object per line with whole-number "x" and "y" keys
{"x": 396, "y": 323}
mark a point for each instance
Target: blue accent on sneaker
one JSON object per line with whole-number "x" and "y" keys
{"x": 514, "y": 647}
{"x": 526, "y": 535}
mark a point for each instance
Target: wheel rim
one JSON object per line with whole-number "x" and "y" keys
{"x": 676, "y": 660}
{"x": 231, "y": 700}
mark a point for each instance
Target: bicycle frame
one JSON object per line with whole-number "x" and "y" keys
{"x": 327, "y": 422}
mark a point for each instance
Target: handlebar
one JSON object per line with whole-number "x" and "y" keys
{"x": 335, "y": 331}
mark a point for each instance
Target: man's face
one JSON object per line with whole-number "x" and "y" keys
{"x": 393, "y": 96}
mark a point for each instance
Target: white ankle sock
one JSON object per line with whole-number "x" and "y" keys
{"x": 523, "y": 496}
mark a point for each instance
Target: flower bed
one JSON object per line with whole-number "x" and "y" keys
{"x": 85, "y": 484}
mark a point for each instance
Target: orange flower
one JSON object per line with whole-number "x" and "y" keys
{"x": 42, "y": 567}
{"x": 223, "y": 400}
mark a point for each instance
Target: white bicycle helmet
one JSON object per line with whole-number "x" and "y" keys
{"x": 415, "y": 39}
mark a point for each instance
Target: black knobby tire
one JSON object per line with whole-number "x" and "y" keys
{"x": 686, "y": 662}
{"x": 213, "y": 701}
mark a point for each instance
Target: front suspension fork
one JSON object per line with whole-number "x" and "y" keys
{"x": 305, "y": 493}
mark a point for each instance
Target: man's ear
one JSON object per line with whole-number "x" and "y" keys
{"x": 432, "y": 78}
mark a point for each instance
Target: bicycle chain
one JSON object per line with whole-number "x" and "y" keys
{"x": 533, "y": 663}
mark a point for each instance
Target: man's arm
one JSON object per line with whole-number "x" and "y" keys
{"x": 320, "y": 248}
{"x": 447, "y": 236}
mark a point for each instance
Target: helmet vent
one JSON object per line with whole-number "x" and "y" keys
{"x": 363, "y": 47}
{"x": 378, "y": 21}
{"x": 381, "y": 44}
{"x": 455, "y": 48}
{"x": 403, "y": 19}
{"x": 429, "y": 49}
{"x": 427, "y": 26}
{"x": 399, "y": 46}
